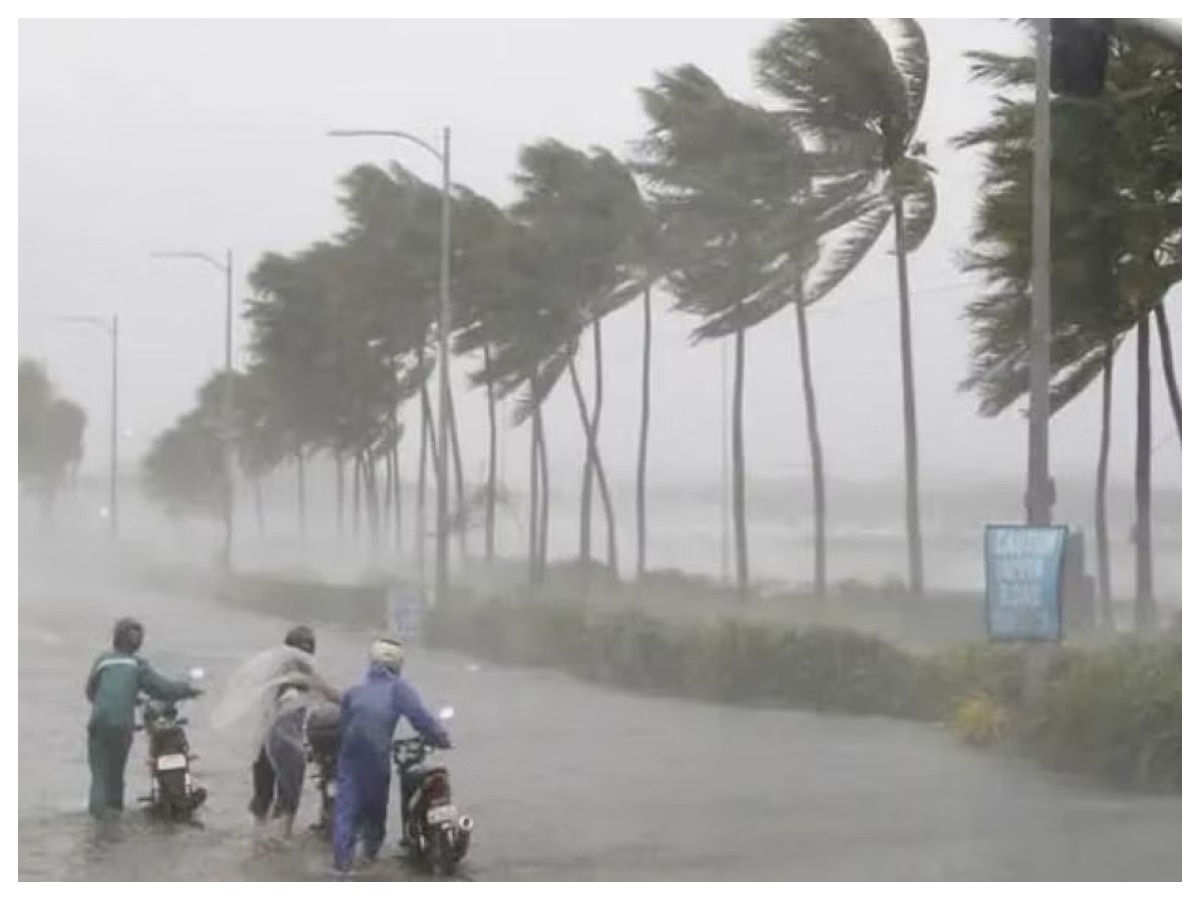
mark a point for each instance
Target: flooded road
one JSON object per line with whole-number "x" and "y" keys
{"x": 566, "y": 781}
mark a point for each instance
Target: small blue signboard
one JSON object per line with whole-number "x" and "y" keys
{"x": 1024, "y": 566}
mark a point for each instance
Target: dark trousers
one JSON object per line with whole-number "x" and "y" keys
{"x": 279, "y": 770}
{"x": 264, "y": 785}
{"x": 108, "y": 751}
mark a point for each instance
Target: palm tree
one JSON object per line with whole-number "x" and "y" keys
{"x": 487, "y": 286}
{"x": 726, "y": 179}
{"x": 858, "y": 101}
{"x": 260, "y": 445}
{"x": 578, "y": 207}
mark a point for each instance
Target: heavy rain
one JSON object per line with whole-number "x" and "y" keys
{"x": 714, "y": 449}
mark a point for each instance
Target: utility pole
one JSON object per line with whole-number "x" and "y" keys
{"x": 1039, "y": 499}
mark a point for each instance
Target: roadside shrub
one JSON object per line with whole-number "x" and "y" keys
{"x": 1113, "y": 712}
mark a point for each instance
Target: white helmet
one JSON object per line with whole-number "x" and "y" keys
{"x": 388, "y": 652}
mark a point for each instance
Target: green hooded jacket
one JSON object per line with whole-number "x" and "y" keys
{"x": 116, "y": 680}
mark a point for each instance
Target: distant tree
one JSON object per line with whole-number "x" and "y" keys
{"x": 50, "y": 433}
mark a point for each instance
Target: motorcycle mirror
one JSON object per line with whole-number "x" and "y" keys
{"x": 196, "y": 674}
{"x": 446, "y": 713}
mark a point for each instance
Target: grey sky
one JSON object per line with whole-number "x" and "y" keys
{"x": 144, "y": 135}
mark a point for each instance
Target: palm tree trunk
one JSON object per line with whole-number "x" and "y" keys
{"x": 338, "y": 463}
{"x": 357, "y": 495}
{"x": 258, "y": 506}
{"x": 601, "y": 477}
{"x": 593, "y": 453}
{"x": 302, "y": 492}
{"x": 534, "y": 497}
{"x": 814, "y": 451}
{"x": 459, "y": 489}
{"x": 741, "y": 543}
{"x": 585, "y": 497}
{"x": 544, "y": 491}
{"x": 371, "y": 496}
{"x": 643, "y": 436}
{"x": 912, "y": 510}
{"x": 1168, "y": 364}
{"x": 428, "y": 450}
{"x": 489, "y": 528}
{"x": 419, "y": 530}
{"x": 1145, "y": 614}
{"x": 389, "y": 494}
{"x": 397, "y": 505}
{"x": 1103, "y": 562}
{"x": 376, "y": 502}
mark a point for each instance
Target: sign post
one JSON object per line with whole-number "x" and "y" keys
{"x": 1023, "y": 603}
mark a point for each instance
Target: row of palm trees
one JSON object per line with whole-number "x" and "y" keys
{"x": 737, "y": 211}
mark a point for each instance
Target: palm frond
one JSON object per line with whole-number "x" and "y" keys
{"x": 912, "y": 60}
{"x": 918, "y": 193}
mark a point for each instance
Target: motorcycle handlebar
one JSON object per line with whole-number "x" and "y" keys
{"x": 414, "y": 743}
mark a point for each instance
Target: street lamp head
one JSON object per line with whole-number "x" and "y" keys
{"x": 86, "y": 320}
{"x": 381, "y": 132}
{"x": 189, "y": 254}
{"x": 361, "y": 132}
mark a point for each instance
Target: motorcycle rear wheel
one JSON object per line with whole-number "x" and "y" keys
{"x": 443, "y": 859}
{"x": 173, "y": 799}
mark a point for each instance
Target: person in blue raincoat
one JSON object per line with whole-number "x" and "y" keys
{"x": 370, "y": 712}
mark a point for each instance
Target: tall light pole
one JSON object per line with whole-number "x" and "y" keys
{"x": 110, "y": 327}
{"x": 1039, "y": 498}
{"x": 442, "y": 571}
{"x": 226, "y": 269}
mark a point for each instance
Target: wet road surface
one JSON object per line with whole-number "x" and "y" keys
{"x": 566, "y": 781}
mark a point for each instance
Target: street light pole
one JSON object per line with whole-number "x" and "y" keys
{"x": 113, "y": 433}
{"x": 1039, "y": 499}
{"x": 442, "y": 572}
{"x": 227, "y": 411}
{"x": 445, "y": 321}
{"x": 227, "y": 551}
{"x": 109, "y": 326}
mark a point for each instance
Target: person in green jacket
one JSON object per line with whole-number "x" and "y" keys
{"x": 112, "y": 688}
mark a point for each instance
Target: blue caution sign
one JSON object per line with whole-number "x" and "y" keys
{"x": 1024, "y": 582}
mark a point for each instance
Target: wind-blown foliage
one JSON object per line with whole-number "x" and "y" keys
{"x": 50, "y": 432}
{"x": 858, "y": 101}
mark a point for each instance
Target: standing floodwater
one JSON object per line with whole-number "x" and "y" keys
{"x": 564, "y": 780}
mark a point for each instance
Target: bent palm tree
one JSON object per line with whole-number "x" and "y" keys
{"x": 857, "y": 101}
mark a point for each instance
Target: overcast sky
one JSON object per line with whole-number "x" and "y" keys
{"x": 137, "y": 136}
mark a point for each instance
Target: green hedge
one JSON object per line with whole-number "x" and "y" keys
{"x": 1112, "y": 712}
{"x": 305, "y": 600}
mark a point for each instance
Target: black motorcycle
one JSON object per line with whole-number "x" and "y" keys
{"x": 322, "y": 741}
{"x": 174, "y": 795}
{"x": 434, "y": 830}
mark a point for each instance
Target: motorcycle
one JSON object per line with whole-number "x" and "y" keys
{"x": 434, "y": 830}
{"x": 174, "y": 794}
{"x": 322, "y": 740}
